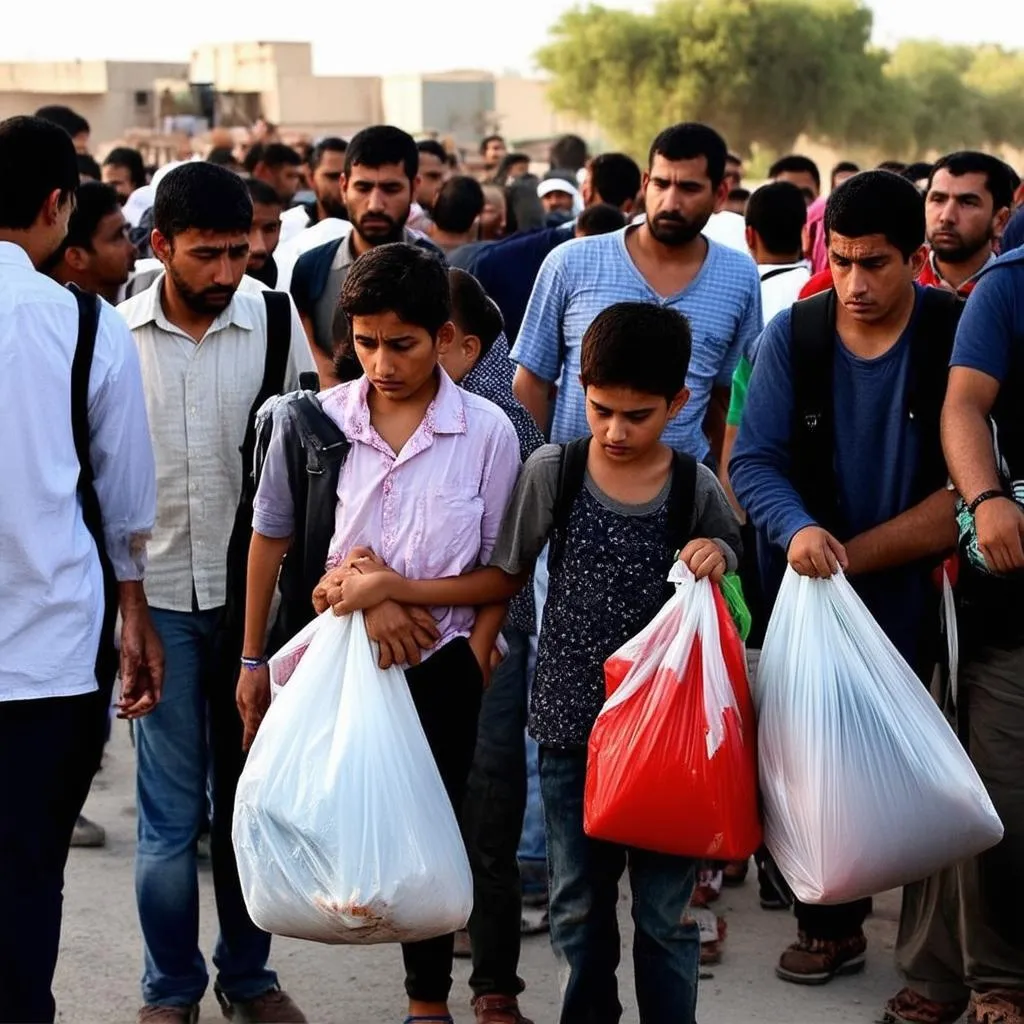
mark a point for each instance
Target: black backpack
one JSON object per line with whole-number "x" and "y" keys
{"x": 572, "y": 471}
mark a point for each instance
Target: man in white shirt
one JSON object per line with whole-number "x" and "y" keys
{"x": 207, "y": 360}
{"x": 77, "y": 509}
{"x": 775, "y": 221}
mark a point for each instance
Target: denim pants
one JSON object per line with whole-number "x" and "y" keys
{"x": 532, "y": 844}
{"x": 493, "y": 822}
{"x": 585, "y": 876}
{"x": 194, "y": 732}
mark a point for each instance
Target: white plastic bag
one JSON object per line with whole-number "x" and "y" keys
{"x": 342, "y": 827}
{"x": 865, "y": 785}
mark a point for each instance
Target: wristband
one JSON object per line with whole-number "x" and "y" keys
{"x": 983, "y": 497}
{"x": 251, "y": 664}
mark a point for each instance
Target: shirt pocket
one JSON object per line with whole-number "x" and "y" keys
{"x": 449, "y": 523}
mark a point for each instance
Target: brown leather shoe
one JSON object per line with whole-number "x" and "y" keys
{"x": 910, "y": 1007}
{"x": 150, "y": 1014}
{"x": 498, "y": 1010}
{"x": 817, "y": 961}
{"x": 1000, "y": 1006}
{"x": 272, "y": 1007}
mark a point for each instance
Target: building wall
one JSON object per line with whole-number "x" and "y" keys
{"x": 402, "y": 102}
{"x": 524, "y": 112}
{"x": 329, "y": 104}
{"x": 462, "y": 109}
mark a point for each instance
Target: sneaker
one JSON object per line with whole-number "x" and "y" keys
{"x": 498, "y": 1010}
{"x": 910, "y": 1007}
{"x": 150, "y": 1014}
{"x": 817, "y": 961}
{"x": 272, "y": 1007}
{"x": 1000, "y": 1006}
{"x": 88, "y": 834}
{"x": 534, "y": 920}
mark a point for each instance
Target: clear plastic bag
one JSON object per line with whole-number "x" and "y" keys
{"x": 342, "y": 828}
{"x": 672, "y": 761}
{"x": 865, "y": 785}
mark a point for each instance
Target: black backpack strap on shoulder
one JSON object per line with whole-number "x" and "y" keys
{"x": 681, "y": 497}
{"x": 812, "y": 360}
{"x": 572, "y": 470}
{"x": 92, "y": 513}
{"x": 279, "y": 341}
{"x": 323, "y": 440}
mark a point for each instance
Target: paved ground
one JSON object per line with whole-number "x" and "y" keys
{"x": 97, "y": 979}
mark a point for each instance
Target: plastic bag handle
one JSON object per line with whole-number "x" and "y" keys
{"x": 947, "y": 617}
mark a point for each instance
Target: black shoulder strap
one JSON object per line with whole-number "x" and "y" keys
{"x": 92, "y": 513}
{"x": 812, "y": 358}
{"x": 572, "y": 470}
{"x": 681, "y": 496}
{"x": 779, "y": 271}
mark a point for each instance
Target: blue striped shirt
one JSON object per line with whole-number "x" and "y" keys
{"x": 582, "y": 277}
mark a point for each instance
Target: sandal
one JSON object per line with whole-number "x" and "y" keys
{"x": 910, "y": 1007}
{"x": 446, "y": 1019}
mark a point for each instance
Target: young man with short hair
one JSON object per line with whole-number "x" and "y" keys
{"x": 73, "y": 123}
{"x": 124, "y": 171}
{"x": 456, "y": 213}
{"x": 434, "y": 171}
{"x": 493, "y": 150}
{"x": 326, "y": 166}
{"x": 265, "y": 234}
{"x": 839, "y": 463}
{"x": 209, "y": 359}
{"x": 96, "y": 255}
{"x": 278, "y": 166}
{"x": 843, "y": 171}
{"x": 801, "y": 171}
{"x": 74, "y": 553}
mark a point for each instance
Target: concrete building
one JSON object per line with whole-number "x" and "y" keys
{"x": 111, "y": 95}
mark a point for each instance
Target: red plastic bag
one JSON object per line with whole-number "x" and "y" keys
{"x": 672, "y": 761}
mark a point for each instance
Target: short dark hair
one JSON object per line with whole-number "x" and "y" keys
{"x": 600, "y": 219}
{"x": 222, "y": 156}
{"x": 998, "y": 175}
{"x": 778, "y": 212}
{"x": 434, "y": 148}
{"x": 399, "y": 278}
{"x": 637, "y": 345}
{"x": 74, "y": 124}
{"x": 843, "y": 167}
{"x": 332, "y": 144}
{"x": 796, "y": 164}
{"x": 741, "y": 195}
{"x": 487, "y": 140}
{"x": 204, "y": 196}
{"x": 383, "y": 144}
{"x": 473, "y": 310}
{"x": 276, "y": 154}
{"x": 36, "y": 158}
{"x": 93, "y": 202}
{"x": 87, "y": 166}
{"x": 878, "y": 203}
{"x": 732, "y": 158}
{"x": 568, "y": 151}
{"x": 895, "y": 166}
{"x": 917, "y": 171}
{"x": 261, "y": 192}
{"x": 459, "y": 202}
{"x": 131, "y": 160}
{"x": 615, "y": 177}
{"x": 689, "y": 140}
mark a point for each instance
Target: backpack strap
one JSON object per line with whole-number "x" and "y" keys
{"x": 779, "y": 271}
{"x": 92, "y": 512}
{"x": 812, "y": 361}
{"x": 681, "y": 497}
{"x": 572, "y": 470}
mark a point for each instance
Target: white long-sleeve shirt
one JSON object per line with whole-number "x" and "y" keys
{"x": 51, "y": 584}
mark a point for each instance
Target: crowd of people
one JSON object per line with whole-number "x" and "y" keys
{"x": 824, "y": 378}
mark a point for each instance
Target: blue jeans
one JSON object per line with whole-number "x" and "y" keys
{"x": 532, "y": 845}
{"x": 585, "y": 876}
{"x": 191, "y": 731}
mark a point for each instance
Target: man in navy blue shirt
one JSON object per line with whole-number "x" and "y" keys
{"x": 845, "y": 469}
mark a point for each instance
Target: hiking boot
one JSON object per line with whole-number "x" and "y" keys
{"x": 910, "y": 1007}
{"x": 817, "y": 961}
{"x": 150, "y": 1014}
{"x": 272, "y": 1007}
{"x": 87, "y": 834}
{"x": 1000, "y": 1006}
{"x": 498, "y": 1010}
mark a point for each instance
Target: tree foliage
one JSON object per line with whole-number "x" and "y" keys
{"x": 766, "y": 71}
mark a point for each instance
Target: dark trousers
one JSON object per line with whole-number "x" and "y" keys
{"x": 493, "y": 822}
{"x": 838, "y": 921}
{"x": 49, "y": 751}
{"x": 446, "y": 690}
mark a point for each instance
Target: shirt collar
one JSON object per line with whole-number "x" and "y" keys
{"x": 13, "y": 255}
{"x": 149, "y": 310}
{"x": 346, "y": 255}
{"x": 941, "y": 282}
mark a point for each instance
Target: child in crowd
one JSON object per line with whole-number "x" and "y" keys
{"x": 424, "y": 487}
{"x": 613, "y": 542}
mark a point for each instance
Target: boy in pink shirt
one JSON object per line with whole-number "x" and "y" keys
{"x": 424, "y": 489}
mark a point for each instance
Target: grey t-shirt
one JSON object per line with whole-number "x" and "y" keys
{"x": 531, "y": 512}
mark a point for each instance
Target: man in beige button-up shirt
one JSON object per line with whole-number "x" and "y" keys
{"x": 202, "y": 346}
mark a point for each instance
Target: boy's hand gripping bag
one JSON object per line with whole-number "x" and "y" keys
{"x": 865, "y": 785}
{"x": 672, "y": 764}
{"x": 342, "y": 827}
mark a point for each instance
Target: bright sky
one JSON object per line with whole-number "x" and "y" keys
{"x": 410, "y": 35}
